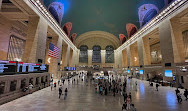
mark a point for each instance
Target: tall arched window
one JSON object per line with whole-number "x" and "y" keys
{"x": 83, "y": 57}
{"x": 149, "y": 15}
{"x": 96, "y": 58}
{"x": 109, "y": 58}
{"x": 54, "y": 13}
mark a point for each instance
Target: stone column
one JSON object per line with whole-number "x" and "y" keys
{"x": 120, "y": 59}
{"x": 90, "y": 53}
{"x": 36, "y": 40}
{"x": 5, "y": 27}
{"x": 166, "y": 47}
{"x": 71, "y": 58}
{"x": 124, "y": 58}
{"x": 166, "y": 42}
{"x": 116, "y": 59}
{"x": 64, "y": 56}
{"x": 7, "y": 86}
{"x": 146, "y": 51}
{"x": 59, "y": 45}
{"x": 18, "y": 84}
{"x": 140, "y": 51}
{"x": 53, "y": 65}
{"x": 128, "y": 56}
{"x": 75, "y": 58}
{"x": 68, "y": 56}
{"x": 34, "y": 81}
{"x": 177, "y": 41}
{"x": 1, "y": 3}
{"x": 103, "y": 52}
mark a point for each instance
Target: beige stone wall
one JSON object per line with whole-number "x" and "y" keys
{"x": 8, "y": 28}
{"x": 36, "y": 40}
{"x": 124, "y": 58}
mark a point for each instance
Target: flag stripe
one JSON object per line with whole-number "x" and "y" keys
{"x": 53, "y": 51}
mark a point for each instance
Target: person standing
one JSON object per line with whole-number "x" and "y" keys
{"x": 51, "y": 85}
{"x": 177, "y": 91}
{"x": 66, "y": 91}
{"x": 30, "y": 88}
{"x": 60, "y": 91}
{"x": 186, "y": 94}
{"x": 58, "y": 82}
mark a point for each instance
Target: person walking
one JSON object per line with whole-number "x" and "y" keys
{"x": 114, "y": 91}
{"x": 55, "y": 85}
{"x": 157, "y": 85}
{"x": 66, "y": 91}
{"x": 124, "y": 96}
{"x": 186, "y": 94}
{"x": 60, "y": 91}
{"x": 130, "y": 97}
{"x": 128, "y": 103}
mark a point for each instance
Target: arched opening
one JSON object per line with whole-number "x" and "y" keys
{"x": 65, "y": 30}
{"x": 109, "y": 58}
{"x": 185, "y": 40}
{"x": 54, "y": 13}
{"x": 83, "y": 57}
{"x": 133, "y": 31}
{"x": 96, "y": 57}
{"x": 124, "y": 40}
{"x": 149, "y": 15}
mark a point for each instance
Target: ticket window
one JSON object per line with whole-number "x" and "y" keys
{"x": 13, "y": 85}
{"x": 2, "y": 87}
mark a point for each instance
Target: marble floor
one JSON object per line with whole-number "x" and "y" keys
{"x": 84, "y": 98}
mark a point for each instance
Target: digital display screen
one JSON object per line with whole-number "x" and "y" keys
{"x": 141, "y": 72}
{"x": 128, "y": 71}
{"x": 11, "y": 67}
{"x": 174, "y": 78}
{"x": 168, "y": 73}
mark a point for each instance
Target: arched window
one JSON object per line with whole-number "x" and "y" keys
{"x": 96, "y": 58}
{"x": 54, "y": 13}
{"x": 83, "y": 57}
{"x": 65, "y": 30}
{"x": 109, "y": 58}
{"x": 124, "y": 40}
{"x": 149, "y": 15}
{"x": 185, "y": 40}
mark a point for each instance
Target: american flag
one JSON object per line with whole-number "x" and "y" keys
{"x": 53, "y": 51}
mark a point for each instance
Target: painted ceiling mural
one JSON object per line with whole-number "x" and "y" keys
{"x": 113, "y": 16}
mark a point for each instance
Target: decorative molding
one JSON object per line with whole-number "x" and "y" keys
{"x": 175, "y": 8}
{"x": 20, "y": 32}
{"x": 98, "y": 34}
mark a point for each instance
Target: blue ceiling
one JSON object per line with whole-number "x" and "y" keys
{"x": 105, "y": 15}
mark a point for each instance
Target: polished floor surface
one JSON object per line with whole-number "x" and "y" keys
{"x": 84, "y": 98}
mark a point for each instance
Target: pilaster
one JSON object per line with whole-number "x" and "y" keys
{"x": 36, "y": 40}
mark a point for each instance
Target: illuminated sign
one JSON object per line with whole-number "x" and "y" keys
{"x": 128, "y": 71}
{"x": 141, "y": 72}
{"x": 168, "y": 73}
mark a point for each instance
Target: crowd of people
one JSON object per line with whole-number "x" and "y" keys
{"x": 111, "y": 86}
{"x": 115, "y": 86}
